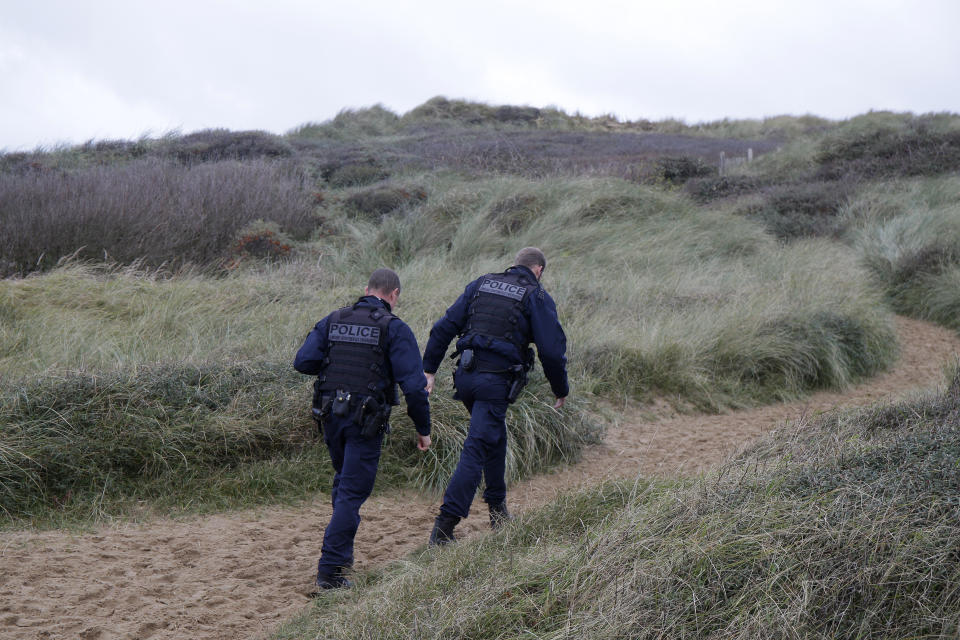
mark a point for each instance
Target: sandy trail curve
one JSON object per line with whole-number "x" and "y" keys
{"x": 239, "y": 575}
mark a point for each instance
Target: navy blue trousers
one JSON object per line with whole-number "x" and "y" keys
{"x": 485, "y": 448}
{"x": 355, "y": 460}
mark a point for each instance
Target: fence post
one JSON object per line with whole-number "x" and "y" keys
{"x": 749, "y": 155}
{"x": 722, "y": 163}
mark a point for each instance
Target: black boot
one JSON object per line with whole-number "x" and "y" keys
{"x": 335, "y": 580}
{"x": 499, "y": 515}
{"x": 443, "y": 529}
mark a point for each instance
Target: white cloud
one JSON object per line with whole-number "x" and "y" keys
{"x": 47, "y": 101}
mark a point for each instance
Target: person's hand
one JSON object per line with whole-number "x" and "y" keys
{"x": 430, "y": 381}
{"x": 560, "y": 402}
{"x": 423, "y": 442}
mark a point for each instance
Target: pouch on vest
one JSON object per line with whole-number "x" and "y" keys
{"x": 467, "y": 360}
{"x": 340, "y": 406}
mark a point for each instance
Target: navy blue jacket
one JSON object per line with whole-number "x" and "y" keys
{"x": 403, "y": 362}
{"x": 544, "y": 330}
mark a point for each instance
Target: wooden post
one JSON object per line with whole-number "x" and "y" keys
{"x": 722, "y": 163}
{"x": 749, "y": 155}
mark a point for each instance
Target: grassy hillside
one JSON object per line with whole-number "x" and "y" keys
{"x": 160, "y": 287}
{"x": 657, "y": 296}
{"x": 841, "y": 528}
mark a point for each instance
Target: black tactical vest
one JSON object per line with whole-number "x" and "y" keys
{"x": 357, "y": 356}
{"x": 498, "y": 307}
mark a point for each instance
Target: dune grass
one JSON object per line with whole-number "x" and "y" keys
{"x": 657, "y": 294}
{"x": 659, "y": 298}
{"x": 845, "y": 527}
{"x": 79, "y": 447}
{"x": 908, "y": 236}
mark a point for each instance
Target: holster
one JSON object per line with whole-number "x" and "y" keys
{"x": 320, "y": 412}
{"x": 373, "y": 417}
{"x": 519, "y": 377}
{"x": 517, "y": 382}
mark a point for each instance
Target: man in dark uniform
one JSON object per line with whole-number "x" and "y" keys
{"x": 496, "y": 318}
{"x": 359, "y": 353}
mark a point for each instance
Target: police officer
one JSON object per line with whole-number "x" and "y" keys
{"x": 496, "y": 318}
{"x": 358, "y": 354}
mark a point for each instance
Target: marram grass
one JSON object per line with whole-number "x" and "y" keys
{"x": 79, "y": 446}
{"x": 908, "y": 236}
{"x": 658, "y": 297}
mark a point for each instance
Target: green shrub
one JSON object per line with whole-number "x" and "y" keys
{"x": 214, "y": 145}
{"x": 613, "y": 207}
{"x": 707, "y": 189}
{"x": 441, "y": 108}
{"x": 799, "y": 210}
{"x": 350, "y": 124}
{"x": 679, "y": 169}
{"x": 518, "y": 115}
{"x": 262, "y": 239}
{"x": 355, "y": 175}
{"x": 378, "y": 201}
{"x": 514, "y": 212}
{"x": 910, "y": 146}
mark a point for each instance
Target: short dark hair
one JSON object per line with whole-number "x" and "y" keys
{"x": 530, "y": 257}
{"x": 384, "y": 280}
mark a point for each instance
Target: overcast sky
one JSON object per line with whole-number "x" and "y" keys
{"x": 71, "y": 71}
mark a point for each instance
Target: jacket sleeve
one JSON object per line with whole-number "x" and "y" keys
{"x": 408, "y": 373}
{"x": 446, "y": 329}
{"x": 309, "y": 358}
{"x": 551, "y": 341}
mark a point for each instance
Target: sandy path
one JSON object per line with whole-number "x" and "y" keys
{"x": 239, "y": 575}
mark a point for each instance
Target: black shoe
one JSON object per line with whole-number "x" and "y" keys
{"x": 326, "y": 583}
{"x": 443, "y": 529}
{"x": 499, "y": 515}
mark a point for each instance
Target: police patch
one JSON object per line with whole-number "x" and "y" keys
{"x": 342, "y": 332}
{"x": 505, "y": 289}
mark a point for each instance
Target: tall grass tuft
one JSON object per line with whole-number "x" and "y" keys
{"x": 539, "y": 436}
{"x": 845, "y": 527}
{"x": 202, "y": 437}
{"x": 75, "y": 435}
{"x": 908, "y": 235}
